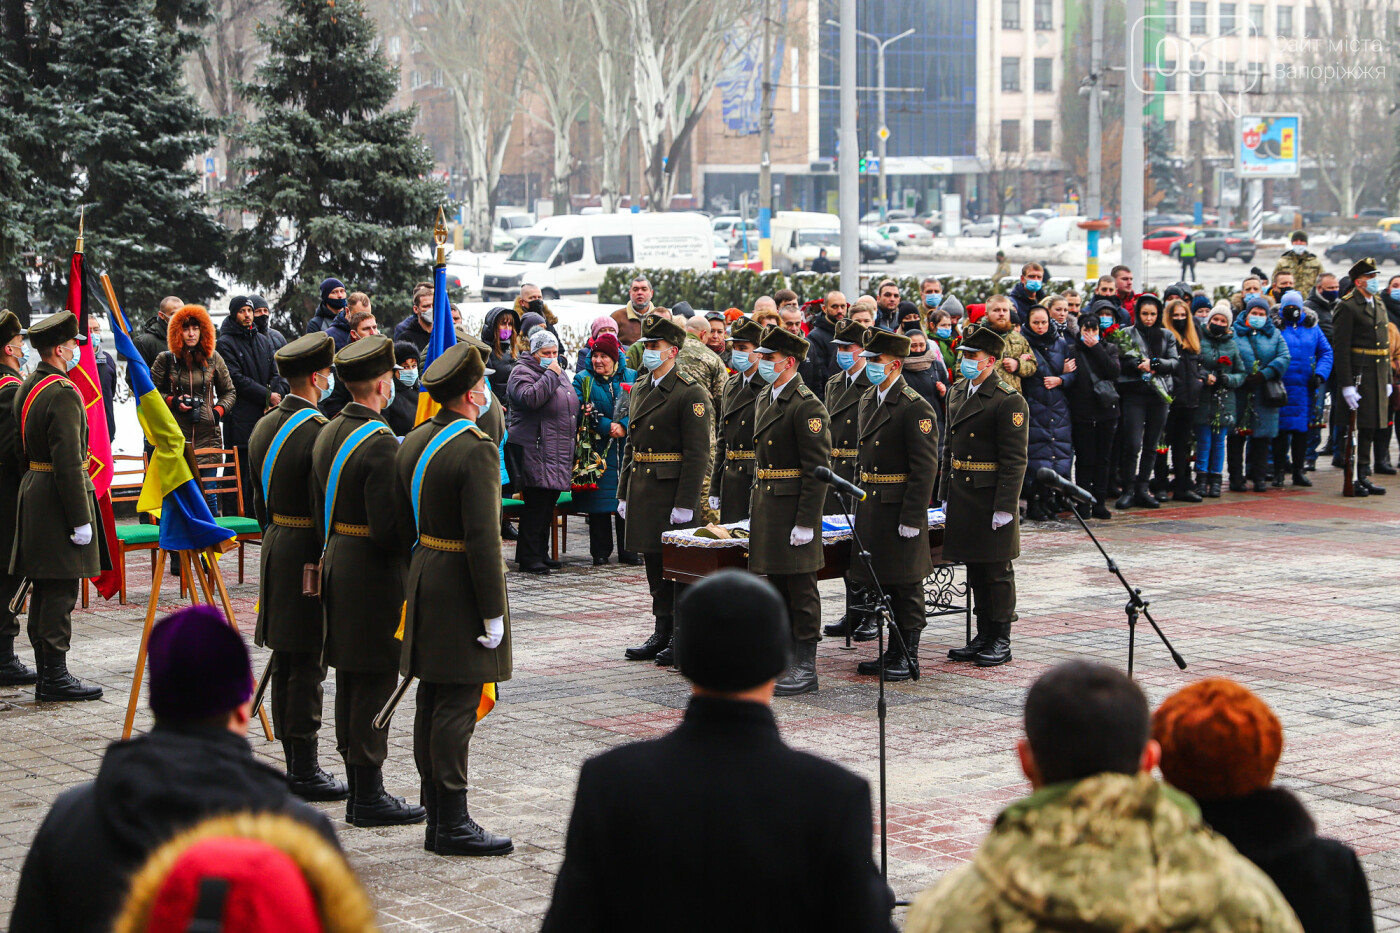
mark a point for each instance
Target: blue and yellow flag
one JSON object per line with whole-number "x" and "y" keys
{"x": 443, "y": 337}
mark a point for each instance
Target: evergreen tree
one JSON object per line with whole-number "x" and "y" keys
{"x": 346, "y": 176}
{"x": 1164, "y": 171}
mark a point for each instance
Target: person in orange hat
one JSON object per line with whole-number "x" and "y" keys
{"x": 1221, "y": 744}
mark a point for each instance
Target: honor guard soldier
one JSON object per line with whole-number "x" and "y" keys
{"x": 732, "y": 479}
{"x": 791, "y": 439}
{"x": 56, "y": 539}
{"x": 289, "y": 620}
{"x": 456, "y": 636}
{"x": 983, "y": 468}
{"x": 842, "y": 399}
{"x": 13, "y": 673}
{"x": 1362, "y": 366}
{"x": 663, "y": 468}
{"x": 898, "y": 465}
{"x": 356, "y": 512}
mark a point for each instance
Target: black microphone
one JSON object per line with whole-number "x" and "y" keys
{"x": 843, "y": 485}
{"x": 1048, "y": 477}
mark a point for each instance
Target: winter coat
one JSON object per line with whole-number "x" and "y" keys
{"x": 820, "y": 364}
{"x": 248, "y": 356}
{"x": 1160, "y": 345}
{"x": 1266, "y": 352}
{"x": 1050, "y": 442}
{"x": 1099, "y": 363}
{"x": 321, "y": 319}
{"x": 1217, "y": 404}
{"x": 551, "y": 320}
{"x": 543, "y": 416}
{"x": 1025, "y": 299}
{"x": 1110, "y": 852}
{"x": 1392, "y": 308}
{"x": 1322, "y": 879}
{"x": 339, "y": 329}
{"x": 152, "y": 339}
{"x": 264, "y": 326}
{"x": 1188, "y": 378}
{"x": 1305, "y": 267}
{"x": 1309, "y": 354}
{"x": 402, "y": 412}
{"x": 1323, "y": 308}
{"x": 503, "y": 362}
{"x": 604, "y": 394}
{"x": 98, "y": 834}
{"x": 203, "y": 373}
{"x": 107, "y": 380}
{"x": 408, "y": 330}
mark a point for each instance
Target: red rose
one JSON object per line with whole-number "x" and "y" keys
{"x": 1224, "y": 361}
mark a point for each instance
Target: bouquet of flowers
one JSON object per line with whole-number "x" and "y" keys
{"x": 1222, "y": 393}
{"x": 1131, "y": 347}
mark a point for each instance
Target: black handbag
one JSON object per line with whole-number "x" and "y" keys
{"x": 1273, "y": 394}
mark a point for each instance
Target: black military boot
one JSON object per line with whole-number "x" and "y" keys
{"x": 1213, "y": 490}
{"x": 1100, "y": 511}
{"x": 305, "y": 778}
{"x": 1143, "y": 496}
{"x": 839, "y": 628}
{"x": 428, "y": 796}
{"x": 1300, "y": 478}
{"x": 973, "y": 648}
{"x": 1125, "y": 501}
{"x": 374, "y": 807}
{"x": 649, "y": 649}
{"x": 459, "y": 834}
{"x": 999, "y": 651}
{"x": 896, "y": 663}
{"x": 868, "y": 629}
{"x": 56, "y": 685}
{"x": 1364, "y": 482}
{"x": 1202, "y": 484}
{"x": 1035, "y": 507}
{"x": 667, "y": 656}
{"x": 13, "y": 673}
{"x": 801, "y": 677}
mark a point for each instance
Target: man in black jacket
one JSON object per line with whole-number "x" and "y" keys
{"x": 262, "y": 318}
{"x": 820, "y": 364}
{"x": 195, "y": 763}
{"x": 248, "y": 356}
{"x": 758, "y": 836}
{"x": 152, "y": 338}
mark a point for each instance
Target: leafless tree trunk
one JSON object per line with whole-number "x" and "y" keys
{"x": 547, "y": 33}
{"x": 610, "y": 92}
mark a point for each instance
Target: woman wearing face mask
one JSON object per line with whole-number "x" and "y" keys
{"x": 194, "y": 381}
{"x": 924, "y": 371}
{"x": 1222, "y": 373}
{"x": 1264, "y": 354}
{"x": 1051, "y": 437}
{"x": 1150, "y": 362}
{"x": 1181, "y": 417}
{"x": 501, "y": 332}
{"x": 943, "y": 336}
{"x": 1309, "y": 365}
{"x": 1094, "y": 413}
{"x": 402, "y": 413}
{"x": 542, "y": 418}
{"x": 599, "y": 390}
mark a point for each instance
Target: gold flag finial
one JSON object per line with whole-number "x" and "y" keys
{"x": 440, "y": 238}
{"x": 82, "y": 214}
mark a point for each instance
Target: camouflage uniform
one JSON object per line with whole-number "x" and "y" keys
{"x": 703, "y": 365}
{"x": 1306, "y": 267}
{"x": 1014, "y": 344}
{"x": 1110, "y": 852}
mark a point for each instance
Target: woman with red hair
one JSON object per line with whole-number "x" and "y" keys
{"x": 193, "y": 380}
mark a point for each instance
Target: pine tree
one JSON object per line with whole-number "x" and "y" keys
{"x": 347, "y": 176}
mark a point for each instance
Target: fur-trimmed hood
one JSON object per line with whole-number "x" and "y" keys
{"x": 174, "y": 338}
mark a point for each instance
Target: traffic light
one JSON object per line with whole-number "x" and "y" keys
{"x": 862, "y": 165}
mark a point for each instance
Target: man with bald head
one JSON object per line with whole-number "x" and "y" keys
{"x": 764, "y": 304}
{"x": 820, "y": 364}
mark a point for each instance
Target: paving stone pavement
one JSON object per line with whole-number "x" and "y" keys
{"x": 1293, "y": 593}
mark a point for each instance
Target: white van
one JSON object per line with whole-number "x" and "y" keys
{"x": 1053, "y": 231}
{"x": 569, "y": 255}
{"x": 800, "y": 236}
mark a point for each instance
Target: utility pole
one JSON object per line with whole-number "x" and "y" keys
{"x": 883, "y": 133}
{"x": 1093, "y": 203}
{"x": 765, "y": 135}
{"x": 1133, "y": 154}
{"x": 848, "y": 179}
{"x": 1198, "y": 165}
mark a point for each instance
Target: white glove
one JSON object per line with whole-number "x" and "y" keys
{"x": 800, "y": 536}
{"x": 714, "y": 502}
{"x": 908, "y": 531}
{"x": 944, "y": 506}
{"x": 82, "y": 534}
{"x": 622, "y": 509}
{"x": 1388, "y": 387}
{"x": 681, "y": 516}
{"x": 495, "y": 631}
{"x": 1352, "y": 396}
{"x": 999, "y": 519}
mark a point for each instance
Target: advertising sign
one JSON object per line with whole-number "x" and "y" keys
{"x": 1268, "y": 146}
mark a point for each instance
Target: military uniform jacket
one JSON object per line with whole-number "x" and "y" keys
{"x": 898, "y": 464}
{"x": 1361, "y": 347}
{"x": 57, "y": 495}
{"x": 983, "y": 468}
{"x": 792, "y": 439}
{"x": 362, "y": 571}
{"x": 667, "y": 454}
{"x": 732, "y": 479}
{"x": 12, "y": 465}
{"x": 843, "y": 404}
{"x": 456, "y": 574}
{"x": 287, "y": 620}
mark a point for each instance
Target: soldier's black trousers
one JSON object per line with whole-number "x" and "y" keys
{"x": 297, "y": 694}
{"x": 804, "y": 602}
{"x": 1365, "y": 443}
{"x": 663, "y": 594}
{"x": 359, "y": 696}
{"x": 51, "y": 605}
{"x": 907, "y": 602}
{"x": 442, "y": 731}
{"x": 993, "y": 591}
{"x": 9, "y": 621}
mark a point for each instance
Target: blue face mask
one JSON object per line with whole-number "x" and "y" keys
{"x": 845, "y": 359}
{"x": 1033, "y": 285}
{"x": 1373, "y": 285}
{"x": 766, "y": 371}
{"x": 1105, "y": 322}
{"x": 408, "y": 377}
{"x": 875, "y": 372}
{"x": 1257, "y": 321}
{"x": 330, "y": 386}
{"x": 1395, "y": 294}
{"x": 651, "y": 360}
{"x": 934, "y": 300}
{"x": 1330, "y": 294}
{"x": 741, "y": 360}
{"x": 968, "y": 368}
{"x": 392, "y": 393}
{"x": 943, "y": 333}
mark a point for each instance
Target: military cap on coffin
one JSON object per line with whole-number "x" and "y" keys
{"x": 656, "y": 327}
{"x": 365, "y": 359}
{"x": 733, "y": 633}
{"x": 55, "y": 329}
{"x": 305, "y": 355}
{"x": 984, "y": 339}
{"x": 850, "y": 334}
{"x": 777, "y": 340}
{"x": 878, "y": 342}
{"x": 1362, "y": 267}
{"x": 748, "y": 330}
{"x": 10, "y": 327}
{"x": 454, "y": 373}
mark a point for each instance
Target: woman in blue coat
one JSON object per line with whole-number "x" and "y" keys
{"x": 1051, "y": 431}
{"x": 1264, "y": 354}
{"x": 599, "y": 388}
{"x": 1309, "y": 365}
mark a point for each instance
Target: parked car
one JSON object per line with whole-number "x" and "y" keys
{"x": 514, "y": 220}
{"x": 931, "y": 220}
{"x": 906, "y": 233}
{"x": 1372, "y": 213}
{"x": 894, "y": 213}
{"x": 721, "y": 251}
{"x": 877, "y": 249}
{"x": 1219, "y": 245}
{"x": 1161, "y": 239}
{"x": 736, "y": 230}
{"x": 1314, "y": 217}
{"x": 1161, "y": 220}
{"x": 1053, "y": 231}
{"x": 987, "y": 226}
{"x": 1044, "y": 213}
{"x": 503, "y": 241}
{"x": 1380, "y": 245}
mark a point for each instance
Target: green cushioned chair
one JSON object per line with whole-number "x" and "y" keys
{"x": 240, "y": 525}
{"x": 137, "y": 535}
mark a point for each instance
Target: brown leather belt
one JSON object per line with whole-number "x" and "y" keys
{"x": 883, "y": 477}
{"x": 844, "y": 453}
{"x": 291, "y": 521}
{"x": 644, "y": 457}
{"x": 975, "y": 466}
{"x": 443, "y": 544}
{"x": 741, "y": 455}
{"x": 777, "y": 474}
{"x": 354, "y": 531}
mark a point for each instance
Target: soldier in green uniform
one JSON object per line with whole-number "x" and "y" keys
{"x": 732, "y": 477}
{"x": 791, "y": 438}
{"x": 980, "y": 477}
{"x": 1361, "y": 366}
{"x": 663, "y": 468}
{"x": 354, "y": 507}
{"x": 456, "y": 627}
{"x": 289, "y": 621}
{"x": 56, "y": 539}
{"x": 842, "y": 399}
{"x": 13, "y": 672}
{"x": 898, "y": 465}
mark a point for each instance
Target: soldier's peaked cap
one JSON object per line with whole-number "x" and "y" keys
{"x": 746, "y": 329}
{"x": 984, "y": 339}
{"x": 365, "y": 359}
{"x": 879, "y": 342}
{"x": 305, "y": 355}
{"x": 1362, "y": 267}
{"x": 454, "y": 373}
{"x": 55, "y": 329}
{"x": 850, "y": 333}
{"x": 777, "y": 340}
{"x": 10, "y": 327}
{"x": 656, "y": 327}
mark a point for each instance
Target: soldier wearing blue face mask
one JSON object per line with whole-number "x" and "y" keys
{"x": 731, "y": 477}
{"x": 1361, "y": 365}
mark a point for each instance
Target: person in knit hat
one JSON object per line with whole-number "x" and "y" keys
{"x": 602, "y": 384}
{"x": 603, "y": 324}
{"x": 195, "y": 762}
{"x": 333, "y": 301}
{"x": 1222, "y": 372}
{"x": 1221, "y": 744}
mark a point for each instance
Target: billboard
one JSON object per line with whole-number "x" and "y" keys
{"x": 1268, "y": 145}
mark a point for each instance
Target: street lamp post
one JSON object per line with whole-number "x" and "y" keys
{"x": 884, "y": 132}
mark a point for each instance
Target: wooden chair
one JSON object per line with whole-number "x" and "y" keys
{"x": 128, "y": 474}
{"x": 223, "y": 477}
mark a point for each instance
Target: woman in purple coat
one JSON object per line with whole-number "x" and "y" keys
{"x": 541, "y": 423}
